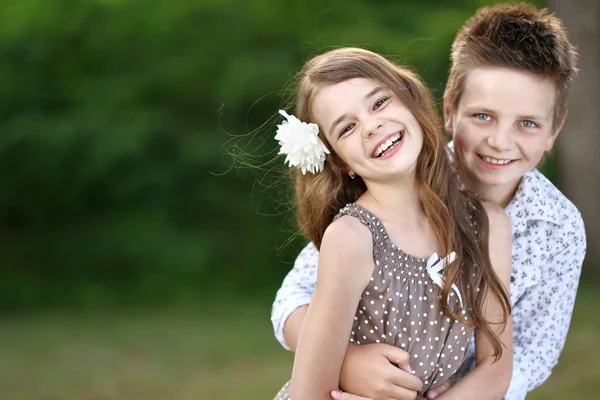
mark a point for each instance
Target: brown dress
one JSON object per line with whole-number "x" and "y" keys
{"x": 400, "y": 307}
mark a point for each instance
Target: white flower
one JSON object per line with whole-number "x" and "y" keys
{"x": 301, "y": 143}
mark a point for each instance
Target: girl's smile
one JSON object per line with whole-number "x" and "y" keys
{"x": 365, "y": 125}
{"x": 389, "y": 145}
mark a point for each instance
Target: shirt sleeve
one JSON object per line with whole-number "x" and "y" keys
{"x": 296, "y": 290}
{"x": 542, "y": 316}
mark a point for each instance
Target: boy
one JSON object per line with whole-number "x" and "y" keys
{"x": 505, "y": 103}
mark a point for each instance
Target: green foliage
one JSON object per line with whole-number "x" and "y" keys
{"x": 114, "y": 118}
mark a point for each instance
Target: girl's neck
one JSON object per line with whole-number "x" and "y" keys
{"x": 398, "y": 201}
{"x": 399, "y": 209}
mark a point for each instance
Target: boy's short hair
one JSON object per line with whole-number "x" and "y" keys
{"x": 519, "y": 37}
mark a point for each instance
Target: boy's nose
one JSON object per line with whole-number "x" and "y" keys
{"x": 501, "y": 140}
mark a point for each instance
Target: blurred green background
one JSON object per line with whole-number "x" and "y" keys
{"x": 135, "y": 262}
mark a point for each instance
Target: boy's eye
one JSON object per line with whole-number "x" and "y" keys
{"x": 346, "y": 129}
{"x": 380, "y": 102}
{"x": 482, "y": 117}
{"x": 529, "y": 124}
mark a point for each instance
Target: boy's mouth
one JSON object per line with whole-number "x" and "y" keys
{"x": 388, "y": 144}
{"x": 494, "y": 161}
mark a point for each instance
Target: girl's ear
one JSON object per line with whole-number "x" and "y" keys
{"x": 448, "y": 118}
{"x": 551, "y": 139}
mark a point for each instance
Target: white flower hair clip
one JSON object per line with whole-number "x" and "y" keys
{"x": 301, "y": 143}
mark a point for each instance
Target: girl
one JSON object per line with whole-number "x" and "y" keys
{"x": 376, "y": 193}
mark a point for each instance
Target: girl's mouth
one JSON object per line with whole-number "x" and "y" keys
{"x": 390, "y": 143}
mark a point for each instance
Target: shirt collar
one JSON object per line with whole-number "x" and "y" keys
{"x": 535, "y": 200}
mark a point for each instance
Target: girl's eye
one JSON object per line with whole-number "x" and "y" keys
{"x": 380, "y": 102}
{"x": 347, "y": 129}
{"x": 529, "y": 124}
{"x": 482, "y": 117}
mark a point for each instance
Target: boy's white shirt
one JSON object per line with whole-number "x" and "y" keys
{"x": 548, "y": 249}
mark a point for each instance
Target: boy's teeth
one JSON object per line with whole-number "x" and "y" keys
{"x": 490, "y": 160}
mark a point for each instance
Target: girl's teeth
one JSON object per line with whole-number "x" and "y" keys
{"x": 386, "y": 145}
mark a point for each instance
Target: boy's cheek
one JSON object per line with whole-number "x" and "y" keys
{"x": 464, "y": 139}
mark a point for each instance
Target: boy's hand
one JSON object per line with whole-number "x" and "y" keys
{"x": 432, "y": 394}
{"x": 339, "y": 395}
{"x": 377, "y": 371}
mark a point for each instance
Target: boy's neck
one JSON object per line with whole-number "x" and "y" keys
{"x": 501, "y": 194}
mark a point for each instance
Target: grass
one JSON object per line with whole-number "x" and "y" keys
{"x": 217, "y": 353}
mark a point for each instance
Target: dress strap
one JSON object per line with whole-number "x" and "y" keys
{"x": 369, "y": 219}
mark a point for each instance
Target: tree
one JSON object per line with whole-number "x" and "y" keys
{"x": 579, "y": 142}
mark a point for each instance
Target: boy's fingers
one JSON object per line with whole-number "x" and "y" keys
{"x": 439, "y": 390}
{"x": 339, "y": 395}
{"x": 398, "y": 357}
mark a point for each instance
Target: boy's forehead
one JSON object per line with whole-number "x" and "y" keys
{"x": 508, "y": 91}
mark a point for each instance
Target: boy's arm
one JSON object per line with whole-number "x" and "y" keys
{"x": 296, "y": 291}
{"x": 542, "y": 316}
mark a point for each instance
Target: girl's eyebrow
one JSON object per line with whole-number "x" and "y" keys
{"x": 373, "y": 92}
{"x": 344, "y": 116}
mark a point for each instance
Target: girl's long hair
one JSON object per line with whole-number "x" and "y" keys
{"x": 458, "y": 221}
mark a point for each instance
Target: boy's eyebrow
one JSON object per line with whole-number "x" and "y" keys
{"x": 478, "y": 109}
{"x": 531, "y": 116}
{"x": 344, "y": 116}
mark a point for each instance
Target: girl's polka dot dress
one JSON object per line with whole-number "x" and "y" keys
{"x": 400, "y": 307}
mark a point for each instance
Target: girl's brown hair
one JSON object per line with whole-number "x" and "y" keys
{"x": 459, "y": 222}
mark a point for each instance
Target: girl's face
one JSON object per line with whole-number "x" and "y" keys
{"x": 376, "y": 136}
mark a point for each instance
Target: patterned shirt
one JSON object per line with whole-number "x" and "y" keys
{"x": 548, "y": 248}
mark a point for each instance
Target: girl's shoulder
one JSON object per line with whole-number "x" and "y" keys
{"x": 349, "y": 232}
{"x": 346, "y": 253}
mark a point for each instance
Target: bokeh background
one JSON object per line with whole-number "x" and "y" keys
{"x": 138, "y": 259}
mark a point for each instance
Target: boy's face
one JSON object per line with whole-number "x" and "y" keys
{"x": 502, "y": 126}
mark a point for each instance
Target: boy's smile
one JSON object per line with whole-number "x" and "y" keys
{"x": 502, "y": 127}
